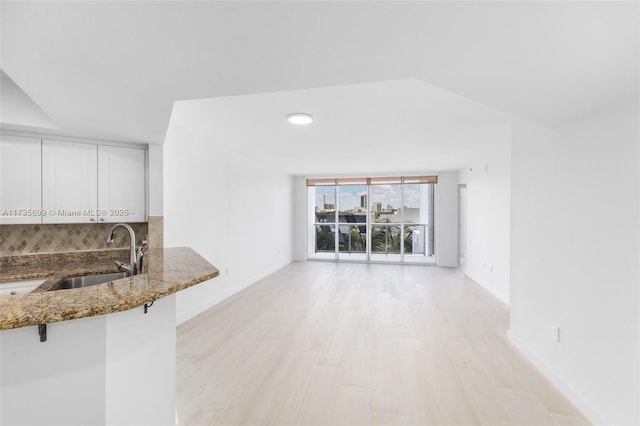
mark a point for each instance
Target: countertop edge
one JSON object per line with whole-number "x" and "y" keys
{"x": 23, "y": 311}
{"x": 87, "y": 313}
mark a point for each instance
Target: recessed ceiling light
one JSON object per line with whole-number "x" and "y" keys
{"x": 300, "y": 118}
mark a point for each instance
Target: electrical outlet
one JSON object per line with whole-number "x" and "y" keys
{"x": 555, "y": 333}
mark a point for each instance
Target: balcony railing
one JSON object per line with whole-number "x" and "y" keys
{"x": 386, "y": 238}
{"x": 352, "y": 238}
{"x": 415, "y": 239}
{"x": 325, "y": 238}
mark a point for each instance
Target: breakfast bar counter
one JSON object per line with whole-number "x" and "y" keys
{"x": 166, "y": 271}
{"x": 100, "y": 355}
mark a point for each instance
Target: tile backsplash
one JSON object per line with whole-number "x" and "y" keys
{"x": 29, "y": 239}
{"x": 156, "y": 232}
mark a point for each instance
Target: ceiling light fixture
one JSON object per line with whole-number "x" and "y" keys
{"x": 300, "y": 118}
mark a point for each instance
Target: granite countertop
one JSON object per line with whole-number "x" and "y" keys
{"x": 165, "y": 272}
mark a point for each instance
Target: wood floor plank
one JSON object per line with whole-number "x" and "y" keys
{"x": 482, "y": 396}
{"x": 317, "y": 405}
{"x": 351, "y": 406}
{"x": 320, "y": 343}
{"x": 525, "y": 409}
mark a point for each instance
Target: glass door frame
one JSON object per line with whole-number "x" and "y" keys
{"x": 368, "y": 255}
{"x": 349, "y": 256}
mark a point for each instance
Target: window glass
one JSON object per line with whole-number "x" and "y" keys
{"x": 325, "y": 238}
{"x": 378, "y": 219}
{"x": 352, "y": 203}
{"x": 385, "y": 239}
{"x": 385, "y": 203}
{"x": 325, "y": 204}
{"x": 352, "y": 216}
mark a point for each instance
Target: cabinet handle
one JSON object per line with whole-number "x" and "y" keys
{"x": 102, "y": 219}
{"x": 92, "y": 219}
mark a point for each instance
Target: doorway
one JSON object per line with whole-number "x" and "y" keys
{"x": 462, "y": 225}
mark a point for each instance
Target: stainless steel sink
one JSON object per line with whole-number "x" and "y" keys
{"x": 88, "y": 280}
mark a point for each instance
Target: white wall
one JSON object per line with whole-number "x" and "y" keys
{"x": 574, "y": 258}
{"x": 300, "y": 218}
{"x": 115, "y": 369}
{"x": 140, "y": 367}
{"x": 67, "y": 388}
{"x": 488, "y": 183}
{"x": 446, "y": 220}
{"x": 236, "y": 214}
{"x": 155, "y": 180}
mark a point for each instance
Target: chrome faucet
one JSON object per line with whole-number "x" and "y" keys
{"x": 131, "y": 268}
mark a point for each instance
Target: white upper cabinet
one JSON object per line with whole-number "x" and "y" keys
{"x": 121, "y": 184}
{"x": 69, "y": 182}
{"x": 52, "y": 181}
{"x": 20, "y": 180}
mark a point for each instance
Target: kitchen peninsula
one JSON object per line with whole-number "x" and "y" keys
{"x": 109, "y": 354}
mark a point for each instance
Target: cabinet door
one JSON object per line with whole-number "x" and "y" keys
{"x": 69, "y": 182}
{"x": 121, "y": 184}
{"x": 20, "y": 182}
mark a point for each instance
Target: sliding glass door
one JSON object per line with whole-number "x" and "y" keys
{"x": 418, "y": 212}
{"x": 352, "y": 221}
{"x": 324, "y": 225}
{"x": 386, "y": 219}
{"x": 372, "y": 219}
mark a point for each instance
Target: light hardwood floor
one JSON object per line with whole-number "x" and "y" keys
{"x": 341, "y": 344}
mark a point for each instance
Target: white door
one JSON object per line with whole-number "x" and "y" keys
{"x": 20, "y": 180}
{"x": 121, "y": 184}
{"x": 462, "y": 226}
{"x": 69, "y": 182}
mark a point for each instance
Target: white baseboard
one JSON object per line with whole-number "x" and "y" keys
{"x": 576, "y": 399}
{"x": 195, "y": 310}
{"x": 501, "y": 297}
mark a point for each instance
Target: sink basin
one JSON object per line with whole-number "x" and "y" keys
{"x": 89, "y": 280}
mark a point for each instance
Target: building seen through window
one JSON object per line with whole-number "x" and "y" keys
{"x": 378, "y": 221}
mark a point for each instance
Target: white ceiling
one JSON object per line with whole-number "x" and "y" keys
{"x": 384, "y": 127}
{"x": 113, "y": 70}
{"x": 17, "y": 108}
